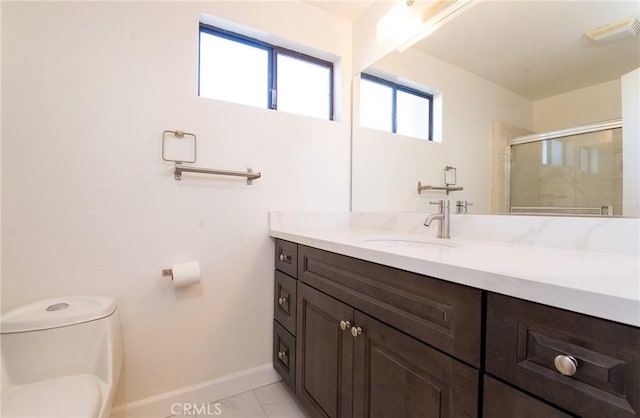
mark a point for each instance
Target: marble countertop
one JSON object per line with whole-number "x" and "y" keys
{"x": 596, "y": 283}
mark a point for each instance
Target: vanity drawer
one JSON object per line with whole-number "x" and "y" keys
{"x": 503, "y": 401}
{"x": 445, "y": 315}
{"x": 287, "y": 257}
{"x": 285, "y": 301}
{"x": 284, "y": 355}
{"x": 524, "y": 338}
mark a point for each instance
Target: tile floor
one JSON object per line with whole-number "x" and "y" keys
{"x": 271, "y": 401}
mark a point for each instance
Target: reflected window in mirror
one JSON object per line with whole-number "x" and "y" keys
{"x": 376, "y": 105}
{"x": 552, "y": 152}
{"x": 396, "y": 108}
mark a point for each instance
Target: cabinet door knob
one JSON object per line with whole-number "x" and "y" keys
{"x": 281, "y": 354}
{"x": 281, "y": 257}
{"x": 355, "y": 331}
{"x": 344, "y": 325}
{"x": 282, "y": 301}
{"x": 567, "y": 365}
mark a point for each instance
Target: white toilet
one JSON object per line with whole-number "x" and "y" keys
{"x": 60, "y": 358}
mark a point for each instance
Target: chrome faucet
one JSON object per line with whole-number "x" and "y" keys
{"x": 442, "y": 216}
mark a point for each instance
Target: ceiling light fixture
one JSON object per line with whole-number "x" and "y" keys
{"x": 434, "y": 16}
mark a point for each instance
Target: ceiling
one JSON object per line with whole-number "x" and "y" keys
{"x": 350, "y": 10}
{"x": 537, "y": 48}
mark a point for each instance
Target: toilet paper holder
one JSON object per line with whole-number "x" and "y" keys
{"x": 183, "y": 274}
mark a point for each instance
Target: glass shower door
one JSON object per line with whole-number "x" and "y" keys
{"x": 573, "y": 175}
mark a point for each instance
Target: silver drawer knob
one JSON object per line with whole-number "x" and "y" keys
{"x": 344, "y": 325}
{"x": 567, "y": 365}
{"x": 282, "y": 301}
{"x": 281, "y": 257}
{"x": 281, "y": 354}
{"x": 355, "y": 331}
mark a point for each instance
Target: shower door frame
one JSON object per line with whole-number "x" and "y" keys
{"x": 561, "y": 133}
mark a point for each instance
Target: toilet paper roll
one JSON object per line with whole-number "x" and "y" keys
{"x": 185, "y": 274}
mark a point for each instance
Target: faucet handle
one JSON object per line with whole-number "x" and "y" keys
{"x": 443, "y": 202}
{"x": 440, "y": 204}
{"x": 461, "y": 206}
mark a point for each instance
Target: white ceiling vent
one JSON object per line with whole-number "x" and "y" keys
{"x": 613, "y": 32}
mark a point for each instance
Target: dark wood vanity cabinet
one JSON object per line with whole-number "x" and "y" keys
{"x": 369, "y": 369}
{"x": 373, "y": 341}
{"x": 501, "y": 400}
{"x": 284, "y": 311}
{"x": 287, "y": 257}
{"x": 284, "y": 354}
{"x": 444, "y": 315}
{"x": 530, "y": 346}
{"x": 284, "y": 304}
{"x": 325, "y": 354}
{"x": 358, "y": 339}
{"x": 396, "y": 375}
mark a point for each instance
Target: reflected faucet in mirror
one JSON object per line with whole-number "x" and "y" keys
{"x": 462, "y": 207}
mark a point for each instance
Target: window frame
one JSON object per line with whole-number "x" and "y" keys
{"x": 395, "y": 87}
{"x": 272, "y": 51}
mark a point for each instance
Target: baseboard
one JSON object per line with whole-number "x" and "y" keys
{"x": 159, "y": 406}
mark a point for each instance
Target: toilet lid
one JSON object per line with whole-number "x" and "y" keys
{"x": 69, "y": 396}
{"x": 56, "y": 312}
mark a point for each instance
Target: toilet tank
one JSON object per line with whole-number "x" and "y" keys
{"x": 60, "y": 337}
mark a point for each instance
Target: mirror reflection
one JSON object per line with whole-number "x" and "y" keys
{"x": 574, "y": 174}
{"x": 496, "y": 73}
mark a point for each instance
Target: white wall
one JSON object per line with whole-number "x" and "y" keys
{"x": 591, "y": 104}
{"x": 382, "y": 28}
{"x": 631, "y": 143}
{"x": 89, "y": 207}
{"x": 386, "y": 167}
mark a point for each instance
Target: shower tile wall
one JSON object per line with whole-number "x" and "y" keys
{"x": 580, "y": 171}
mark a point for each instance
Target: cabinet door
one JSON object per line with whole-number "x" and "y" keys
{"x": 398, "y": 376}
{"x": 324, "y": 352}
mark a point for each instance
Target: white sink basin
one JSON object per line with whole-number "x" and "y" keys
{"x": 409, "y": 241}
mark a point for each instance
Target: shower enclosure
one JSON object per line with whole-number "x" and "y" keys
{"x": 575, "y": 171}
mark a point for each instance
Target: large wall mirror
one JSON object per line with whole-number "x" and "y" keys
{"x": 524, "y": 105}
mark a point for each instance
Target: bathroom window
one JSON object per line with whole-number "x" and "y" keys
{"x": 243, "y": 70}
{"x": 395, "y": 108}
